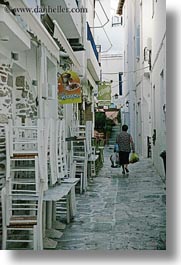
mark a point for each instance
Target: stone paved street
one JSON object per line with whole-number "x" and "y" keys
{"x": 119, "y": 212}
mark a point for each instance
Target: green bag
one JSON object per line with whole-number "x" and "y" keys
{"x": 134, "y": 158}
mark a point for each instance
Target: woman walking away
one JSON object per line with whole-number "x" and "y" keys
{"x": 126, "y": 144}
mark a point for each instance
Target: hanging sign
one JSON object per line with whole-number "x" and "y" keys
{"x": 104, "y": 94}
{"x": 69, "y": 88}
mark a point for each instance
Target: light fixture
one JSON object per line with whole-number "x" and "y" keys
{"x": 116, "y": 96}
{"x": 15, "y": 56}
{"x": 64, "y": 64}
{"x": 127, "y": 103}
{"x": 147, "y": 54}
{"x": 164, "y": 108}
{"x": 34, "y": 82}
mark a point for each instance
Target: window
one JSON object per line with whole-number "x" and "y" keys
{"x": 138, "y": 42}
{"x": 153, "y": 8}
{"x": 124, "y": 61}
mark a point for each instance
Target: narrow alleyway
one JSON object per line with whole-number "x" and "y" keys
{"x": 119, "y": 212}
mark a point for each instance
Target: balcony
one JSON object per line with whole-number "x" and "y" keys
{"x": 12, "y": 35}
{"x": 92, "y": 56}
{"x": 69, "y": 22}
{"x": 91, "y": 39}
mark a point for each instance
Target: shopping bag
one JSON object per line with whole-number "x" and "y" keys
{"x": 116, "y": 148}
{"x": 134, "y": 158}
{"x": 114, "y": 160}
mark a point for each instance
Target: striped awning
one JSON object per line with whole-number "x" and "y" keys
{"x": 59, "y": 35}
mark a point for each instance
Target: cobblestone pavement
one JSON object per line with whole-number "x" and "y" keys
{"x": 119, "y": 212}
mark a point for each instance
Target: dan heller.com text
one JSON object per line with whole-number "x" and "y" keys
{"x": 49, "y": 9}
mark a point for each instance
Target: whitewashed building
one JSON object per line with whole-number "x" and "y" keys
{"x": 144, "y": 25}
{"x": 35, "y": 48}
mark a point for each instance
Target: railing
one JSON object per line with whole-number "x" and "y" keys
{"x": 91, "y": 39}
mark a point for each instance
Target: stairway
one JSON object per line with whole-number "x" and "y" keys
{"x": 115, "y": 131}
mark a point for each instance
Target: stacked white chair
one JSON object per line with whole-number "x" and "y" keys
{"x": 2, "y": 172}
{"x": 91, "y": 152}
{"x": 64, "y": 206}
{"x": 51, "y": 135}
{"x": 79, "y": 156}
{"x": 22, "y": 197}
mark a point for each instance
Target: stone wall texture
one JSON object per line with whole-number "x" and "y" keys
{"x": 25, "y": 99}
{"x": 25, "y": 106}
{"x": 6, "y": 85}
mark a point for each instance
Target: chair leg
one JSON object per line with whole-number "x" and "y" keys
{"x": 4, "y": 238}
{"x": 81, "y": 183}
{"x": 68, "y": 208}
{"x": 35, "y": 238}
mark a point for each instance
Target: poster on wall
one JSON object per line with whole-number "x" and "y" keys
{"x": 69, "y": 88}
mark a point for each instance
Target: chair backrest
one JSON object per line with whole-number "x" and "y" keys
{"x": 50, "y": 154}
{"x": 73, "y": 127}
{"x": 62, "y": 151}
{"x": 78, "y": 150}
{"x": 2, "y": 156}
{"x": 89, "y": 137}
{"x": 24, "y": 139}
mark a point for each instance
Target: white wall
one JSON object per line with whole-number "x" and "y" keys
{"x": 129, "y": 62}
{"x": 112, "y": 64}
{"x": 146, "y": 32}
{"x": 158, "y": 102}
{"x": 90, "y": 13}
{"x": 159, "y": 81}
{"x": 146, "y": 103}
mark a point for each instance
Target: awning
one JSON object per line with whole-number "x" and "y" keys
{"x": 112, "y": 115}
{"x": 59, "y": 35}
{"x": 37, "y": 28}
{"x": 16, "y": 38}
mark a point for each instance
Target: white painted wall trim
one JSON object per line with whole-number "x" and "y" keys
{"x": 7, "y": 19}
{"x": 91, "y": 79}
{"x": 37, "y": 28}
